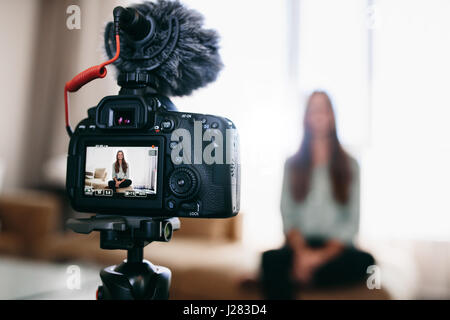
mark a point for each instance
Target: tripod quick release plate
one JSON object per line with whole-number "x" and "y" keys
{"x": 126, "y": 232}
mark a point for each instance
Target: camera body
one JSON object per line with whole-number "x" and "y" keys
{"x": 178, "y": 164}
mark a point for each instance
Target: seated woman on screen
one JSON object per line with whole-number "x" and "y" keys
{"x": 320, "y": 212}
{"x": 120, "y": 173}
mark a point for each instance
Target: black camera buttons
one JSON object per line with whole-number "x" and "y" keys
{"x": 173, "y": 144}
{"x": 167, "y": 125}
{"x": 171, "y": 205}
{"x": 190, "y": 206}
{"x": 205, "y": 124}
{"x": 183, "y": 183}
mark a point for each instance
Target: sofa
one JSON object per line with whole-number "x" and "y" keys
{"x": 96, "y": 179}
{"x": 28, "y": 221}
{"x": 206, "y": 256}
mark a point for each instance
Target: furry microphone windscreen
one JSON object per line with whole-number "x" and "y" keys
{"x": 181, "y": 55}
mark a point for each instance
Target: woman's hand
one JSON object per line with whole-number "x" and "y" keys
{"x": 332, "y": 249}
{"x": 307, "y": 261}
{"x": 301, "y": 267}
{"x": 295, "y": 240}
{"x": 305, "y": 264}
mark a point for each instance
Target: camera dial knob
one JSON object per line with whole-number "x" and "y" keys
{"x": 183, "y": 183}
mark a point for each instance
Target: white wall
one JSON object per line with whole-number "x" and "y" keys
{"x": 16, "y": 56}
{"x": 406, "y": 178}
{"x": 252, "y": 90}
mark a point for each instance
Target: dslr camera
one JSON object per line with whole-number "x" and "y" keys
{"x": 135, "y": 154}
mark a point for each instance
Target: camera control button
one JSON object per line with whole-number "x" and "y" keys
{"x": 171, "y": 204}
{"x": 190, "y": 206}
{"x": 167, "y": 125}
{"x": 183, "y": 183}
{"x": 214, "y": 125}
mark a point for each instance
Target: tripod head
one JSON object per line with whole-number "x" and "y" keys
{"x": 135, "y": 278}
{"x": 126, "y": 233}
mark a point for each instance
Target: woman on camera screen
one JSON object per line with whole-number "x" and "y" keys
{"x": 120, "y": 173}
{"x": 320, "y": 212}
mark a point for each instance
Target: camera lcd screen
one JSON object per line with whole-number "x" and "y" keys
{"x": 116, "y": 172}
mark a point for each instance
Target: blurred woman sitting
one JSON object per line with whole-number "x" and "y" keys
{"x": 320, "y": 212}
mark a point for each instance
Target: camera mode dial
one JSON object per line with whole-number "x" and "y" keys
{"x": 183, "y": 183}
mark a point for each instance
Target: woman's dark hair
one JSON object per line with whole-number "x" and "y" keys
{"x": 117, "y": 164}
{"x": 301, "y": 163}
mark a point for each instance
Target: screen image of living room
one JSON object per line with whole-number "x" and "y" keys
{"x": 142, "y": 166}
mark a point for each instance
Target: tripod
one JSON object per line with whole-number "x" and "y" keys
{"x": 135, "y": 278}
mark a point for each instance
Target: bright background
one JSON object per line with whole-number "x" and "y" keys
{"x": 385, "y": 64}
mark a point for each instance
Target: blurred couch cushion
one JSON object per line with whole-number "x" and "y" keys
{"x": 28, "y": 218}
{"x": 10, "y": 243}
{"x": 212, "y": 229}
{"x": 29, "y": 214}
